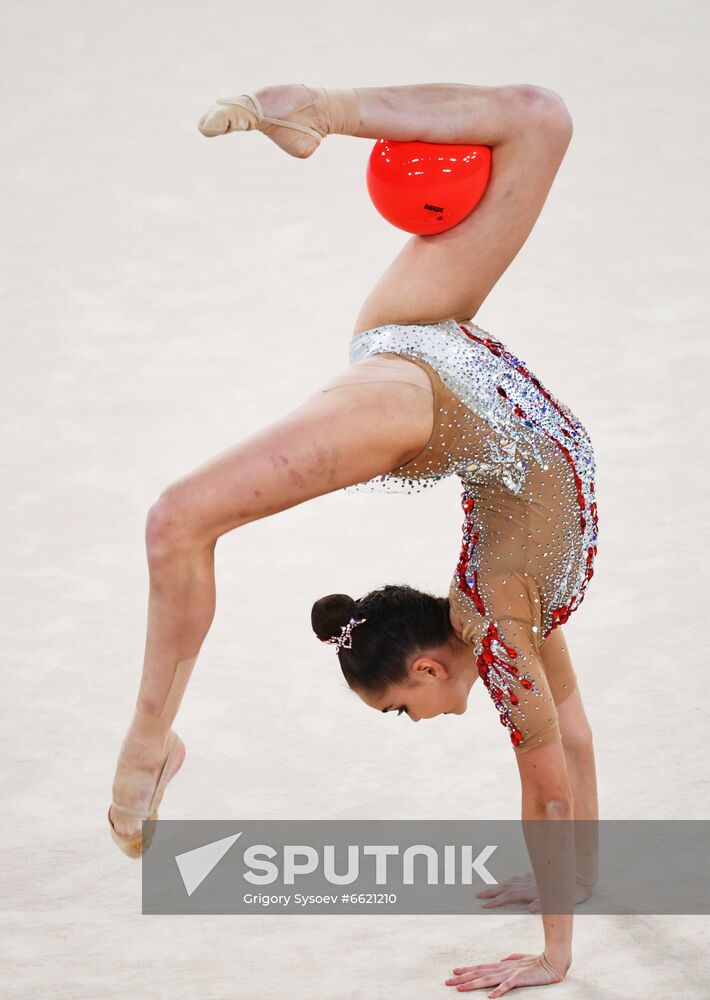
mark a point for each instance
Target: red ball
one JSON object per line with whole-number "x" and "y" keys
{"x": 426, "y": 187}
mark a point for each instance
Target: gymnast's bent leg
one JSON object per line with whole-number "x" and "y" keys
{"x": 332, "y": 440}
{"x": 446, "y": 274}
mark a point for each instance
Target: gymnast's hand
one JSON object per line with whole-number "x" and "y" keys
{"x": 522, "y": 889}
{"x": 512, "y": 971}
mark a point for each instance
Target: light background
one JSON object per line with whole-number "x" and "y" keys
{"x": 165, "y": 296}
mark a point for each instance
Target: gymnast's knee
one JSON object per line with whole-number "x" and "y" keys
{"x": 172, "y": 528}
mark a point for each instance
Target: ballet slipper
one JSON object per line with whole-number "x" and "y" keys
{"x": 319, "y": 112}
{"x": 135, "y": 844}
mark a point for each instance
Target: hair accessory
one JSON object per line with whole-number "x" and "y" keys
{"x": 345, "y": 639}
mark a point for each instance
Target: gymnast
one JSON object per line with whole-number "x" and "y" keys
{"x": 428, "y": 394}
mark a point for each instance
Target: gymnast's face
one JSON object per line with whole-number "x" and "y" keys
{"x": 437, "y": 684}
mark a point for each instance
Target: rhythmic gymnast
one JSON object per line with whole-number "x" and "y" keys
{"x": 428, "y": 394}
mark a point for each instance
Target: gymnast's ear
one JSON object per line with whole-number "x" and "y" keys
{"x": 425, "y": 666}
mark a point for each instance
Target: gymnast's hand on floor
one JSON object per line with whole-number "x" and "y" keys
{"x": 522, "y": 889}
{"x": 511, "y": 972}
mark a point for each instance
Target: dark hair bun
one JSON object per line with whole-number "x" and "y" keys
{"x": 330, "y": 613}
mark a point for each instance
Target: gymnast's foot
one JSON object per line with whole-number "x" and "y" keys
{"x": 296, "y": 117}
{"x": 141, "y": 776}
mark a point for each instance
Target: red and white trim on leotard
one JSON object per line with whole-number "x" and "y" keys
{"x": 562, "y": 613}
{"x": 496, "y": 672}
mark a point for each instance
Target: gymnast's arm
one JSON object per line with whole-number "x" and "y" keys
{"x": 568, "y": 723}
{"x": 581, "y": 768}
{"x": 547, "y": 795}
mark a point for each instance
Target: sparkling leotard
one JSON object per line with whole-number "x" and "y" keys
{"x": 527, "y": 469}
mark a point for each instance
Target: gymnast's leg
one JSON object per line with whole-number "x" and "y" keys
{"x": 332, "y": 440}
{"x": 447, "y": 274}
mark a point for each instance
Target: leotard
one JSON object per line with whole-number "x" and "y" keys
{"x": 527, "y": 469}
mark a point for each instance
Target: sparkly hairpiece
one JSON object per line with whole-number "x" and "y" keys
{"x": 345, "y": 639}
